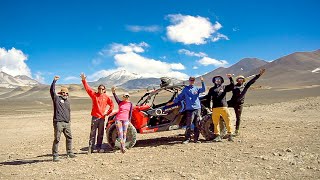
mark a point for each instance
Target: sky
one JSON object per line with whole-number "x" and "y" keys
{"x": 174, "y": 38}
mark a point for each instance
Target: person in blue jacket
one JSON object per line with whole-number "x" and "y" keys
{"x": 190, "y": 95}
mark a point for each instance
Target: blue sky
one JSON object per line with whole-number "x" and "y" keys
{"x": 150, "y": 38}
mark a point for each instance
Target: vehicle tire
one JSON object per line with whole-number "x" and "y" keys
{"x": 112, "y": 136}
{"x": 206, "y": 127}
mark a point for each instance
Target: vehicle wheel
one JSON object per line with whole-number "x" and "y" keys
{"x": 112, "y": 136}
{"x": 206, "y": 127}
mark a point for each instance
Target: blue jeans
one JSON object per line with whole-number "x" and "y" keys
{"x": 193, "y": 117}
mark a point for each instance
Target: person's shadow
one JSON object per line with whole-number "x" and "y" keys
{"x": 37, "y": 159}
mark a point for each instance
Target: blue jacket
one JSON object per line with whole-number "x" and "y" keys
{"x": 190, "y": 94}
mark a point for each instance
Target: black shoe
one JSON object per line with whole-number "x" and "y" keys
{"x": 186, "y": 141}
{"x": 71, "y": 155}
{"x": 56, "y": 159}
{"x": 197, "y": 141}
{"x": 217, "y": 139}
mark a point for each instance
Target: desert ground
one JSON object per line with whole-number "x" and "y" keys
{"x": 280, "y": 139}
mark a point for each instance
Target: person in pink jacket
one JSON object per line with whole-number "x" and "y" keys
{"x": 123, "y": 117}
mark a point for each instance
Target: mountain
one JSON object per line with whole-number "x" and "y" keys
{"x": 244, "y": 66}
{"x": 144, "y": 83}
{"x": 115, "y": 79}
{"x": 293, "y": 70}
{"x": 9, "y": 81}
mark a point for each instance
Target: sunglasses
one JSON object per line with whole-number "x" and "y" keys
{"x": 101, "y": 88}
{"x": 65, "y": 93}
{"x": 191, "y": 80}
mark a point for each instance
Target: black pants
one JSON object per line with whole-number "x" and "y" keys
{"x": 238, "y": 111}
{"x": 96, "y": 123}
{"x": 61, "y": 127}
{"x": 193, "y": 116}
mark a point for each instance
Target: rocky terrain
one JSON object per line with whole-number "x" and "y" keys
{"x": 278, "y": 140}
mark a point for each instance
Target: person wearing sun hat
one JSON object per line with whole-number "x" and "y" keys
{"x": 238, "y": 95}
{"x": 100, "y": 102}
{"x": 217, "y": 94}
{"x": 61, "y": 119}
{"x": 123, "y": 117}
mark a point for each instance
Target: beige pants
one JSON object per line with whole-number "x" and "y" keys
{"x": 224, "y": 112}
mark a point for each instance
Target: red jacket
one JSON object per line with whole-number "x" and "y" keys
{"x": 99, "y": 102}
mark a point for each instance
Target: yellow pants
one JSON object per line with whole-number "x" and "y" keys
{"x": 216, "y": 113}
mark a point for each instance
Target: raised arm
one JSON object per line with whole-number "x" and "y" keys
{"x": 86, "y": 85}
{"x": 253, "y": 80}
{"x": 113, "y": 90}
{"x": 203, "y": 88}
{"x": 230, "y": 86}
{"x": 53, "y": 87}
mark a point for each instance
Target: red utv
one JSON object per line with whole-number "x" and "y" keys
{"x": 152, "y": 115}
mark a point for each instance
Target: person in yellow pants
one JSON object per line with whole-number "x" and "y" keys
{"x": 217, "y": 94}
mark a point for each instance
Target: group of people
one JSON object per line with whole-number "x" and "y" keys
{"x": 102, "y": 106}
{"x": 217, "y": 97}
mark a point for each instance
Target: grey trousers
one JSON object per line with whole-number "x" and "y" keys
{"x": 96, "y": 123}
{"x": 61, "y": 127}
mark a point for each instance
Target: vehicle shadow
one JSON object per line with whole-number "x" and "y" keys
{"x": 154, "y": 142}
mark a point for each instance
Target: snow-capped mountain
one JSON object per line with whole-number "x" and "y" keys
{"x": 9, "y": 81}
{"x": 129, "y": 80}
{"x": 116, "y": 79}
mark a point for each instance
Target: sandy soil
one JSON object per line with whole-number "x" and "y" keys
{"x": 277, "y": 141}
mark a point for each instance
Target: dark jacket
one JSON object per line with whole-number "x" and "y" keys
{"x": 218, "y": 94}
{"x": 239, "y": 92}
{"x": 61, "y": 107}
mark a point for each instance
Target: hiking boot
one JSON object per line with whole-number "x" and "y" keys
{"x": 56, "y": 159}
{"x": 71, "y": 155}
{"x": 186, "y": 141}
{"x": 217, "y": 139}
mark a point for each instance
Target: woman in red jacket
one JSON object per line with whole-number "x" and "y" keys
{"x": 100, "y": 101}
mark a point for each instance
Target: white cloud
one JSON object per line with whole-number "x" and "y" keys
{"x": 153, "y": 28}
{"x": 39, "y": 77}
{"x": 13, "y": 62}
{"x": 127, "y": 57}
{"x": 206, "y": 61}
{"x": 235, "y": 29}
{"x": 120, "y": 48}
{"x": 219, "y": 37}
{"x": 190, "y": 29}
{"x": 195, "y": 67}
{"x": 177, "y": 66}
{"x": 146, "y": 67}
{"x": 190, "y": 53}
